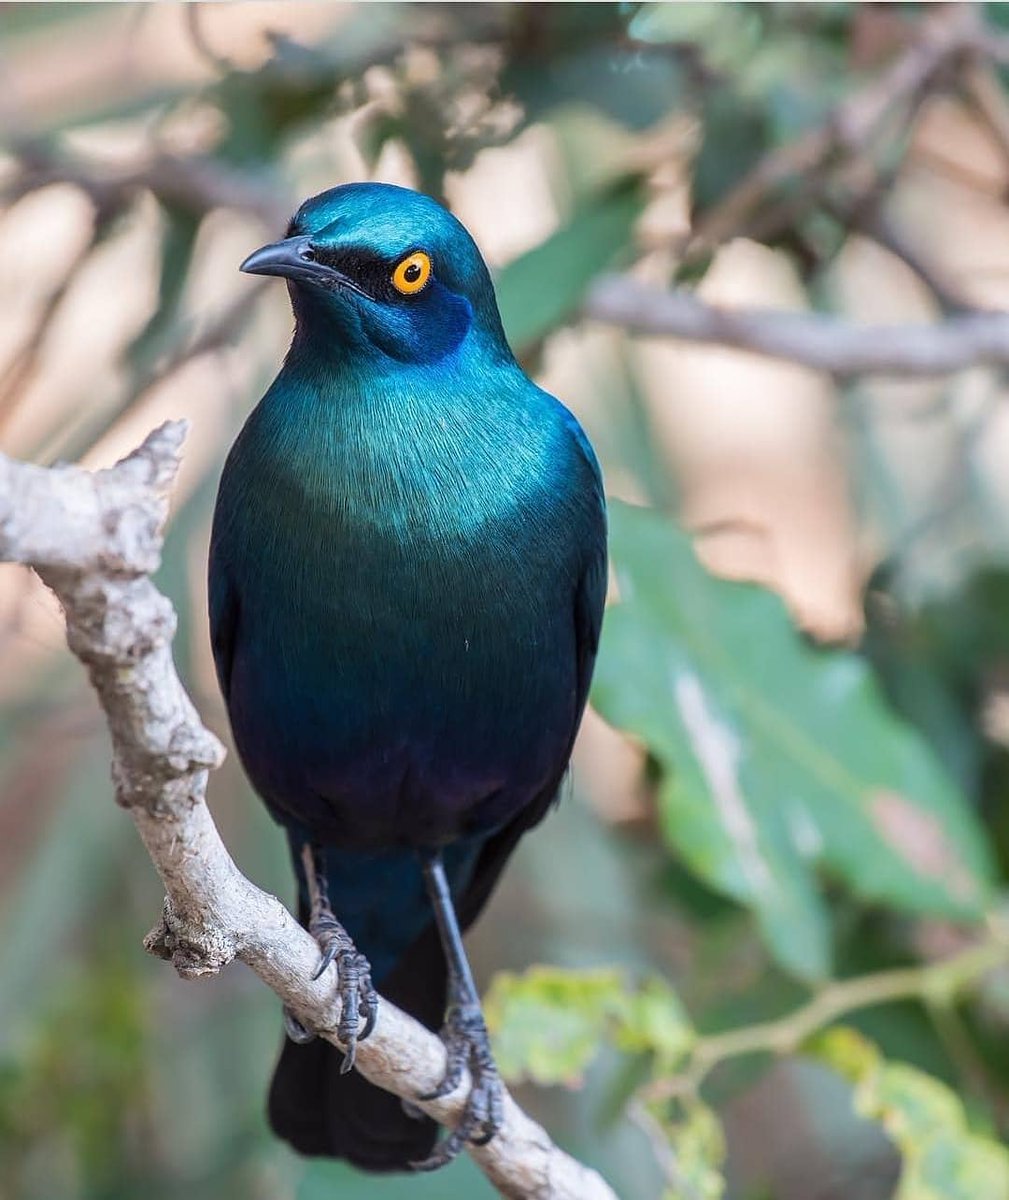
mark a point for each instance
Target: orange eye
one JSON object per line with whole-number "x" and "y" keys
{"x": 412, "y": 273}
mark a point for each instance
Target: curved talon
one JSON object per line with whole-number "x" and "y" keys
{"x": 295, "y": 1030}
{"x": 369, "y": 1009}
{"x": 443, "y": 1153}
{"x": 328, "y": 957}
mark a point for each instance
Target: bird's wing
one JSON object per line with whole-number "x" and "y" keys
{"x": 587, "y": 617}
{"x": 590, "y": 597}
{"x": 224, "y": 607}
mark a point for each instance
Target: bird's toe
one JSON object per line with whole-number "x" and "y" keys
{"x": 295, "y": 1030}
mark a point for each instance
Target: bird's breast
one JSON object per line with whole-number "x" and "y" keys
{"x": 404, "y": 471}
{"x": 406, "y": 588}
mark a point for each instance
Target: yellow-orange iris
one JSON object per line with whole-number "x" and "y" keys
{"x": 412, "y": 273}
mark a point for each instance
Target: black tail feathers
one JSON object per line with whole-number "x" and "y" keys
{"x": 325, "y": 1114}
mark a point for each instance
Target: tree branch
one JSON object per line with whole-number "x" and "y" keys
{"x": 195, "y": 183}
{"x": 829, "y": 344}
{"x": 94, "y": 538}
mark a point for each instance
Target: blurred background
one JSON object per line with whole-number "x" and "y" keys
{"x": 793, "y": 782}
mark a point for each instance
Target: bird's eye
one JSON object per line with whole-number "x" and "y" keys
{"x": 411, "y": 275}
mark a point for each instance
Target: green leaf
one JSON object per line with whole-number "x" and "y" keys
{"x": 178, "y": 244}
{"x": 74, "y": 859}
{"x": 328, "y": 1180}
{"x": 735, "y": 137}
{"x": 779, "y": 757}
{"x": 544, "y": 287}
{"x": 549, "y": 1023}
{"x": 653, "y": 1021}
{"x": 727, "y": 35}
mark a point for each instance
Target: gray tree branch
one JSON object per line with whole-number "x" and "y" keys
{"x": 832, "y": 344}
{"x": 94, "y": 538}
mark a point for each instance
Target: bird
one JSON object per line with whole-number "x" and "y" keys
{"x": 407, "y": 577}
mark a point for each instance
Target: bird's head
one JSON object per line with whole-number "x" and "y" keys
{"x": 382, "y": 270}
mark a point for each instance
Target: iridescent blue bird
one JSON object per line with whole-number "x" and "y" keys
{"x": 407, "y": 574}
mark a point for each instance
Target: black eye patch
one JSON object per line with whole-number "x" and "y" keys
{"x": 371, "y": 272}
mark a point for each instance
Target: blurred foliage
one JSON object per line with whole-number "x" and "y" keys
{"x": 810, "y": 816}
{"x": 760, "y": 790}
{"x": 549, "y": 1024}
{"x": 943, "y": 1159}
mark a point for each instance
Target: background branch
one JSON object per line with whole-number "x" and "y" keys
{"x": 823, "y": 343}
{"x": 94, "y": 538}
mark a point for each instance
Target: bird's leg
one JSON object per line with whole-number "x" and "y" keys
{"x": 357, "y": 996}
{"x": 464, "y": 1033}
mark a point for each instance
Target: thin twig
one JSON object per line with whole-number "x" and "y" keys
{"x": 988, "y": 100}
{"x": 194, "y": 27}
{"x": 189, "y": 343}
{"x": 939, "y": 982}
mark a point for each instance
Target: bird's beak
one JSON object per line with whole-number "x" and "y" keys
{"x": 295, "y": 258}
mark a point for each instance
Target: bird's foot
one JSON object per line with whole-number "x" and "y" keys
{"x": 468, "y": 1045}
{"x": 358, "y": 999}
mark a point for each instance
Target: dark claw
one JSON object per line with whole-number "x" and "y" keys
{"x": 446, "y": 1150}
{"x": 467, "y": 1045}
{"x": 369, "y": 1010}
{"x": 295, "y": 1030}
{"x": 329, "y": 953}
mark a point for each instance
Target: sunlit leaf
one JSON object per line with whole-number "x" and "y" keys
{"x": 653, "y": 1020}
{"x": 846, "y": 1051}
{"x": 549, "y": 1023}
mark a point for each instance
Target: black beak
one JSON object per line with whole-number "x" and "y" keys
{"x": 295, "y": 258}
